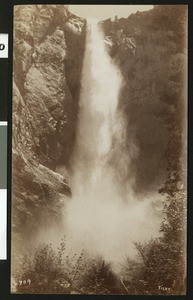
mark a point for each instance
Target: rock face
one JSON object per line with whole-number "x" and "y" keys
{"x": 151, "y": 54}
{"x": 48, "y": 52}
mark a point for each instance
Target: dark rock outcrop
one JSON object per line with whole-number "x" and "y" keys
{"x": 48, "y": 53}
{"x": 152, "y": 97}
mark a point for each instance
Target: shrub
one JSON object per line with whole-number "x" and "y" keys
{"x": 49, "y": 271}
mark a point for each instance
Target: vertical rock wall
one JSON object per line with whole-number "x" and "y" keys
{"x": 48, "y": 53}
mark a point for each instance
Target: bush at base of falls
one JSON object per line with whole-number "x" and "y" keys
{"x": 160, "y": 267}
{"x": 49, "y": 271}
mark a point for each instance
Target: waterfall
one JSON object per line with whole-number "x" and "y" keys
{"x": 101, "y": 83}
{"x": 97, "y": 219}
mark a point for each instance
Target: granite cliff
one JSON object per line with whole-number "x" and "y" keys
{"x": 150, "y": 49}
{"x": 47, "y": 60}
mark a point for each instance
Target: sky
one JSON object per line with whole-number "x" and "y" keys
{"x": 106, "y": 11}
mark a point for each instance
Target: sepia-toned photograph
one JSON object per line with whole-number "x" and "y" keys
{"x": 99, "y": 149}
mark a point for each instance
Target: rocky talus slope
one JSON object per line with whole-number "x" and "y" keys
{"x": 48, "y": 52}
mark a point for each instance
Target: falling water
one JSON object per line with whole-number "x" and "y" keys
{"x": 97, "y": 218}
{"x": 101, "y": 83}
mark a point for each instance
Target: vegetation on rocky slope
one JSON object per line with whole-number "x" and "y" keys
{"x": 50, "y": 271}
